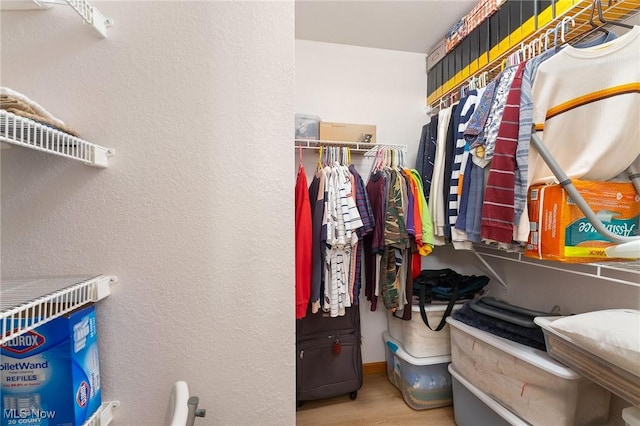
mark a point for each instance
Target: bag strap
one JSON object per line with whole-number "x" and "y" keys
{"x": 447, "y": 312}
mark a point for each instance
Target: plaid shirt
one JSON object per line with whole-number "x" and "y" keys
{"x": 366, "y": 215}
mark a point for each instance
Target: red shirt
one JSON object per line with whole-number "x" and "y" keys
{"x": 303, "y": 244}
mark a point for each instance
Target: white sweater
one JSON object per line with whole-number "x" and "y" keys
{"x": 588, "y": 101}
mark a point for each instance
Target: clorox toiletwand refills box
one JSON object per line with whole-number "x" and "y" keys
{"x": 559, "y": 229}
{"x": 50, "y": 375}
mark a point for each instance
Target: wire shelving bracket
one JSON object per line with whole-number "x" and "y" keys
{"x": 104, "y": 415}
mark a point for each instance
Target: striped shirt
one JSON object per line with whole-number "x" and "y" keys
{"x": 498, "y": 206}
{"x": 466, "y": 107}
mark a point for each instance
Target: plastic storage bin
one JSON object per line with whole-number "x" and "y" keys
{"x": 529, "y": 382}
{"x": 631, "y": 416}
{"x": 307, "y": 126}
{"x": 424, "y": 382}
{"x": 472, "y": 407}
{"x": 614, "y": 378}
{"x": 416, "y": 338}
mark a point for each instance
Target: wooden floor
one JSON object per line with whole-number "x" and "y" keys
{"x": 378, "y": 403}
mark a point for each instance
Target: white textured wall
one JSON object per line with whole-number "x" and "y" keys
{"x": 194, "y": 214}
{"x": 351, "y": 84}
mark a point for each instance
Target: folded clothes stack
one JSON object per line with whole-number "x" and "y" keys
{"x": 19, "y": 104}
{"x": 502, "y": 322}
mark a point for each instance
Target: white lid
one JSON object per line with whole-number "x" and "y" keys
{"x": 528, "y": 354}
{"x": 397, "y": 349}
{"x": 498, "y": 408}
{"x": 307, "y": 117}
{"x": 631, "y": 416}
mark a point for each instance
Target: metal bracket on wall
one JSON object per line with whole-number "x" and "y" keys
{"x": 491, "y": 270}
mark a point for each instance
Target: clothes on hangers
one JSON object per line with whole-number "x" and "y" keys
{"x": 475, "y": 127}
{"x": 449, "y": 150}
{"x": 423, "y": 146}
{"x": 498, "y": 204}
{"x": 303, "y": 243}
{"x": 316, "y": 197}
{"x": 402, "y": 228}
{"x": 426, "y": 153}
{"x": 374, "y": 242}
{"x": 436, "y": 200}
{"x": 341, "y": 220}
{"x": 460, "y": 156}
{"x": 366, "y": 215}
{"x": 335, "y": 227}
{"x": 524, "y": 134}
{"x": 484, "y": 151}
{"x": 502, "y": 121}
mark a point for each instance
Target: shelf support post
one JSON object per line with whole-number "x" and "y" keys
{"x": 491, "y": 270}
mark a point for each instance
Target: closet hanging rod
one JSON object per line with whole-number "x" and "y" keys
{"x": 367, "y": 148}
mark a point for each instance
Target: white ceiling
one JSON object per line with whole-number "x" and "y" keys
{"x": 411, "y": 26}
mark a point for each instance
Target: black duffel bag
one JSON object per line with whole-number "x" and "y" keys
{"x": 445, "y": 285}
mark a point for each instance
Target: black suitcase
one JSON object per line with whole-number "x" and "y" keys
{"x": 329, "y": 356}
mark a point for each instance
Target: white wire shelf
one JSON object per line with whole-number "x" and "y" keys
{"x": 368, "y": 149}
{"x": 26, "y": 303}
{"x": 91, "y": 16}
{"x": 620, "y": 272}
{"x": 104, "y": 415}
{"x": 22, "y": 131}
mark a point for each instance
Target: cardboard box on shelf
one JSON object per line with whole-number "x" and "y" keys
{"x": 347, "y": 132}
{"x": 561, "y": 232}
{"x": 435, "y": 55}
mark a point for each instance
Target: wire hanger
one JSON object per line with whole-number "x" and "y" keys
{"x": 483, "y": 79}
{"x": 377, "y": 161}
{"x": 601, "y": 18}
{"x": 319, "y": 165}
{"x": 594, "y": 27}
{"x": 565, "y": 22}
{"x": 546, "y": 38}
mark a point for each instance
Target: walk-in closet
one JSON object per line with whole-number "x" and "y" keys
{"x": 167, "y": 168}
{"x": 490, "y": 387}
